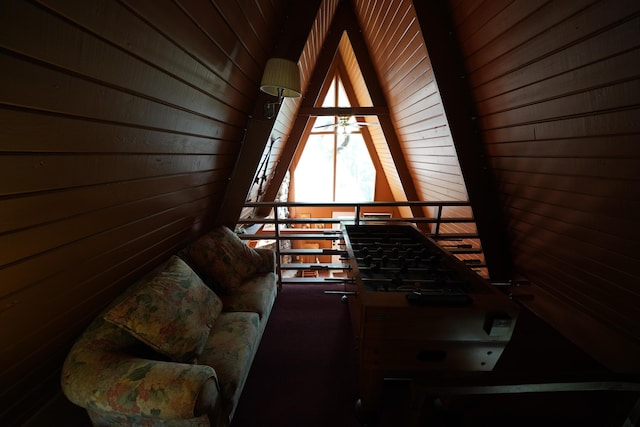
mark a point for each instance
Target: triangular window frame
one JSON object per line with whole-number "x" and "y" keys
{"x": 345, "y": 22}
{"x": 337, "y": 74}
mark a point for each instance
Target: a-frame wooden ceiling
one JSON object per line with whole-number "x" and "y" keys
{"x": 344, "y": 34}
{"x": 361, "y": 108}
{"x": 524, "y": 108}
{"x": 415, "y": 139}
{"x": 541, "y": 96}
{"x": 123, "y": 121}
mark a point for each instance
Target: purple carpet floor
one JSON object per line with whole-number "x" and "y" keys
{"x": 304, "y": 373}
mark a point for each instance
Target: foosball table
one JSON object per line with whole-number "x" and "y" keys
{"x": 417, "y": 310}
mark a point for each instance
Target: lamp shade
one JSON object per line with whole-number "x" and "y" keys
{"x": 281, "y": 73}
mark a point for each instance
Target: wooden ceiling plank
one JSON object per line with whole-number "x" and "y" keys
{"x": 310, "y": 99}
{"x": 344, "y": 20}
{"x": 439, "y": 35}
{"x": 377, "y": 96}
{"x": 297, "y": 25}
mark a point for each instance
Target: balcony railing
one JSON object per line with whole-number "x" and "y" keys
{"x": 450, "y": 224}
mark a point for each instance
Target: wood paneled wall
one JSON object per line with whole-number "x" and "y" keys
{"x": 557, "y": 88}
{"x": 120, "y": 123}
{"x": 556, "y": 92}
{"x": 287, "y": 115}
{"x": 399, "y": 54}
{"x": 384, "y": 160}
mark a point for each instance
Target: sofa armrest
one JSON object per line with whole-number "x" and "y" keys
{"x": 268, "y": 264}
{"x": 210, "y": 403}
{"x": 117, "y": 382}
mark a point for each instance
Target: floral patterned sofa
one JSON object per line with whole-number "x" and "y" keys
{"x": 175, "y": 348}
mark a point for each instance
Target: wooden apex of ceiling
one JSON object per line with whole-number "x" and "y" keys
{"x": 343, "y": 111}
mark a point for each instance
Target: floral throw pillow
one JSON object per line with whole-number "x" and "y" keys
{"x": 172, "y": 313}
{"x": 223, "y": 257}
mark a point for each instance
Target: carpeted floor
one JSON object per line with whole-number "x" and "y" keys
{"x": 304, "y": 373}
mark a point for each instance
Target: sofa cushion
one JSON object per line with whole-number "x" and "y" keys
{"x": 268, "y": 263}
{"x": 172, "y": 313}
{"x": 221, "y": 256}
{"x": 257, "y": 295}
{"x": 230, "y": 350}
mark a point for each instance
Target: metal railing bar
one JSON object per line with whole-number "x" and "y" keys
{"x": 281, "y": 232}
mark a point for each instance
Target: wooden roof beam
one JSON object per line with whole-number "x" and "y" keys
{"x": 344, "y": 20}
{"x": 448, "y": 66}
{"x": 299, "y": 20}
{"x": 309, "y": 100}
{"x": 342, "y": 111}
{"x": 386, "y": 123}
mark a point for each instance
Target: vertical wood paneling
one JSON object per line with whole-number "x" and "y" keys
{"x": 120, "y": 123}
{"x": 557, "y": 92}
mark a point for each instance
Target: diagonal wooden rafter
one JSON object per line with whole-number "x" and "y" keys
{"x": 298, "y": 21}
{"x": 338, "y": 69}
{"x": 448, "y": 66}
{"x": 344, "y": 21}
{"x": 386, "y": 123}
{"x": 323, "y": 64}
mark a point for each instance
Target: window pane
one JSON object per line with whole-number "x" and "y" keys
{"x": 355, "y": 173}
{"x": 314, "y": 174}
{"x": 325, "y": 121}
{"x": 343, "y": 100}
{"x": 330, "y": 99}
